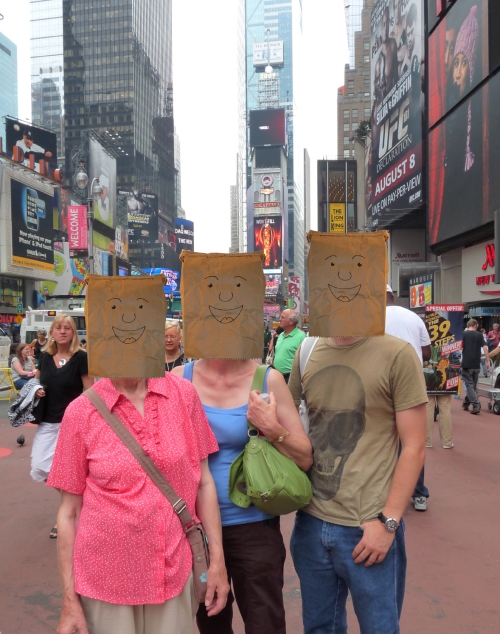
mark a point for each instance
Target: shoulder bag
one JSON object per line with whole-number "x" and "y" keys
{"x": 197, "y": 537}
{"x": 263, "y": 476}
{"x": 306, "y": 349}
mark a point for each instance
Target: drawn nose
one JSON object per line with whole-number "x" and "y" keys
{"x": 128, "y": 321}
{"x": 345, "y": 279}
{"x": 225, "y": 300}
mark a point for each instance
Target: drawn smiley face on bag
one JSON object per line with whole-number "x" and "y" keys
{"x": 347, "y": 284}
{"x": 125, "y": 326}
{"x": 222, "y": 304}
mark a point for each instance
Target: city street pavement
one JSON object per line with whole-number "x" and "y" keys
{"x": 453, "y": 549}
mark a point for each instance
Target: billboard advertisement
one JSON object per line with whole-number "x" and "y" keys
{"x": 173, "y": 279}
{"x": 184, "y": 235}
{"x": 267, "y": 127}
{"x": 445, "y": 325}
{"x": 103, "y": 166}
{"x": 121, "y": 242}
{"x": 273, "y": 284}
{"x": 269, "y": 239}
{"x": 69, "y": 273}
{"x": 295, "y": 292}
{"x": 32, "y": 227}
{"x": 78, "y": 231}
{"x": 265, "y": 53}
{"x": 141, "y": 209}
{"x": 336, "y": 218}
{"x": 397, "y": 73}
{"x": 29, "y": 145}
{"x": 458, "y": 56}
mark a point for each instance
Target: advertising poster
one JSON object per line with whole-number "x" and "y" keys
{"x": 32, "y": 227}
{"x": 184, "y": 234}
{"x": 273, "y": 284}
{"x": 103, "y": 166}
{"x": 69, "y": 272}
{"x": 458, "y": 56}
{"x": 173, "y": 279}
{"x": 78, "y": 232}
{"x": 141, "y": 209}
{"x": 31, "y": 141}
{"x": 420, "y": 295}
{"x": 397, "y": 72}
{"x": 295, "y": 292}
{"x": 268, "y": 238}
{"x": 121, "y": 242}
{"x": 445, "y": 325}
{"x": 336, "y": 222}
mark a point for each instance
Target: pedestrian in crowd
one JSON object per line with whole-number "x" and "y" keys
{"x": 41, "y": 340}
{"x": 253, "y": 545}
{"x": 22, "y": 366}
{"x": 275, "y": 333}
{"x": 288, "y": 342}
{"x": 124, "y": 559}
{"x": 494, "y": 335}
{"x": 473, "y": 344}
{"x": 174, "y": 354}
{"x": 483, "y": 356}
{"x": 63, "y": 373}
{"x": 402, "y": 323}
{"x": 267, "y": 340}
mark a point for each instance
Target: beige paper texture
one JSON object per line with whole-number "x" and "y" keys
{"x": 347, "y": 284}
{"x": 222, "y": 305}
{"x": 125, "y": 326}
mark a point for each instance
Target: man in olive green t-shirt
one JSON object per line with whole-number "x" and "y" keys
{"x": 288, "y": 342}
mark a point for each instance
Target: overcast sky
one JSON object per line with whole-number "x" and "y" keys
{"x": 205, "y": 98}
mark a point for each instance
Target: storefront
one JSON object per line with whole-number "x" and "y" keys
{"x": 480, "y": 292}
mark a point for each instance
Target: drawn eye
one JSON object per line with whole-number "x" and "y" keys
{"x": 113, "y": 307}
{"x": 210, "y": 285}
{"x": 332, "y": 263}
{"x": 360, "y": 264}
{"x": 140, "y": 306}
{"x": 238, "y": 285}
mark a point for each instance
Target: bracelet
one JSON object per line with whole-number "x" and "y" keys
{"x": 282, "y": 437}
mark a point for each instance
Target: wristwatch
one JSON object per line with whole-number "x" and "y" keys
{"x": 390, "y": 523}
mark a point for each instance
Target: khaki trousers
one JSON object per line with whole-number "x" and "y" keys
{"x": 443, "y": 401}
{"x": 175, "y": 616}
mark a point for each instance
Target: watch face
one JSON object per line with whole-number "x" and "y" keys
{"x": 391, "y": 525}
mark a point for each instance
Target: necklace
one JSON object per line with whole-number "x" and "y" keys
{"x": 171, "y": 365}
{"x": 60, "y": 361}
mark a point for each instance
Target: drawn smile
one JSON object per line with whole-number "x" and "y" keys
{"x": 344, "y": 294}
{"x": 225, "y": 315}
{"x": 128, "y": 336}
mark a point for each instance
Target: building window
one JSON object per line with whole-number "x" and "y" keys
{"x": 354, "y": 127}
{"x": 367, "y": 81}
{"x": 346, "y": 127}
{"x": 367, "y": 112}
{"x": 354, "y": 113}
{"x": 346, "y": 140}
{"x": 367, "y": 94}
{"x": 351, "y": 94}
{"x": 350, "y": 83}
{"x": 366, "y": 46}
{"x": 346, "y": 114}
{"x": 366, "y": 59}
{"x": 347, "y": 154}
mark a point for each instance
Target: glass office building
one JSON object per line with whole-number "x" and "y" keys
{"x": 268, "y": 22}
{"x": 8, "y": 75}
{"x": 118, "y": 82}
{"x": 353, "y": 10}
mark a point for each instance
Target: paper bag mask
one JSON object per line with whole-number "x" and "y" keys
{"x": 222, "y": 305}
{"x": 347, "y": 284}
{"x": 125, "y": 326}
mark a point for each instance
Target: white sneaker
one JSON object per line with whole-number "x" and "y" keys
{"x": 448, "y": 446}
{"x": 419, "y": 503}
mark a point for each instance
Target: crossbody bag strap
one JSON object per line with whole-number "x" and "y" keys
{"x": 178, "y": 504}
{"x": 258, "y": 384}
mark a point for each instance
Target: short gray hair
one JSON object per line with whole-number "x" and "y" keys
{"x": 294, "y": 316}
{"x": 172, "y": 323}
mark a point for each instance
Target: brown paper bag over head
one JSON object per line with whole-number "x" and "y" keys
{"x": 347, "y": 284}
{"x": 222, "y": 305}
{"x": 125, "y": 326}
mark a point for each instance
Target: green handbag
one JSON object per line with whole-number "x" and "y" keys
{"x": 263, "y": 476}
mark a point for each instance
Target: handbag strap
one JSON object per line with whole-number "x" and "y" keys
{"x": 178, "y": 504}
{"x": 258, "y": 384}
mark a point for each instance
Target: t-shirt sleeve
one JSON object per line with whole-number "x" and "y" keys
{"x": 424, "y": 336}
{"x": 41, "y": 361}
{"x": 83, "y": 363}
{"x": 407, "y": 380}
{"x": 69, "y": 468}
{"x": 294, "y": 382}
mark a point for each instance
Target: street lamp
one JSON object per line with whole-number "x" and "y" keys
{"x": 95, "y": 190}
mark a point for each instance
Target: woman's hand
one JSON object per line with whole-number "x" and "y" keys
{"x": 217, "y": 589}
{"x": 264, "y": 416}
{"x": 72, "y": 619}
{"x": 40, "y": 393}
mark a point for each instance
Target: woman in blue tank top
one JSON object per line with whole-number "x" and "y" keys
{"x": 253, "y": 546}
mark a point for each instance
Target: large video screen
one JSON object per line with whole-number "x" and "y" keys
{"x": 173, "y": 278}
{"x": 397, "y": 72}
{"x": 32, "y": 227}
{"x": 267, "y": 127}
{"x": 142, "y": 214}
{"x": 458, "y": 56}
{"x": 464, "y": 158}
{"x": 103, "y": 166}
{"x": 184, "y": 235}
{"x": 32, "y": 141}
{"x": 269, "y": 239}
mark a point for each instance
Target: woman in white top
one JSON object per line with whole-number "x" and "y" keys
{"x": 22, "y": 366}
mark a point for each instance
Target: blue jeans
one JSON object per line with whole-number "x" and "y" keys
{"x": 322, "y": 555}
{"x": 20, "y": 383}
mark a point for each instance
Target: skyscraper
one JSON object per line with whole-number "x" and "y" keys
{"x": 47, "y": 67}
{"x": 118, "y": 82}
{"x": 8, "y": 73}
{"x": 353, "y": 10}
{"x": 272, "y": 32}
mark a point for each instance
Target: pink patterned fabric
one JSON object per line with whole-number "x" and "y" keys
{"x": 130, "y": 547}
